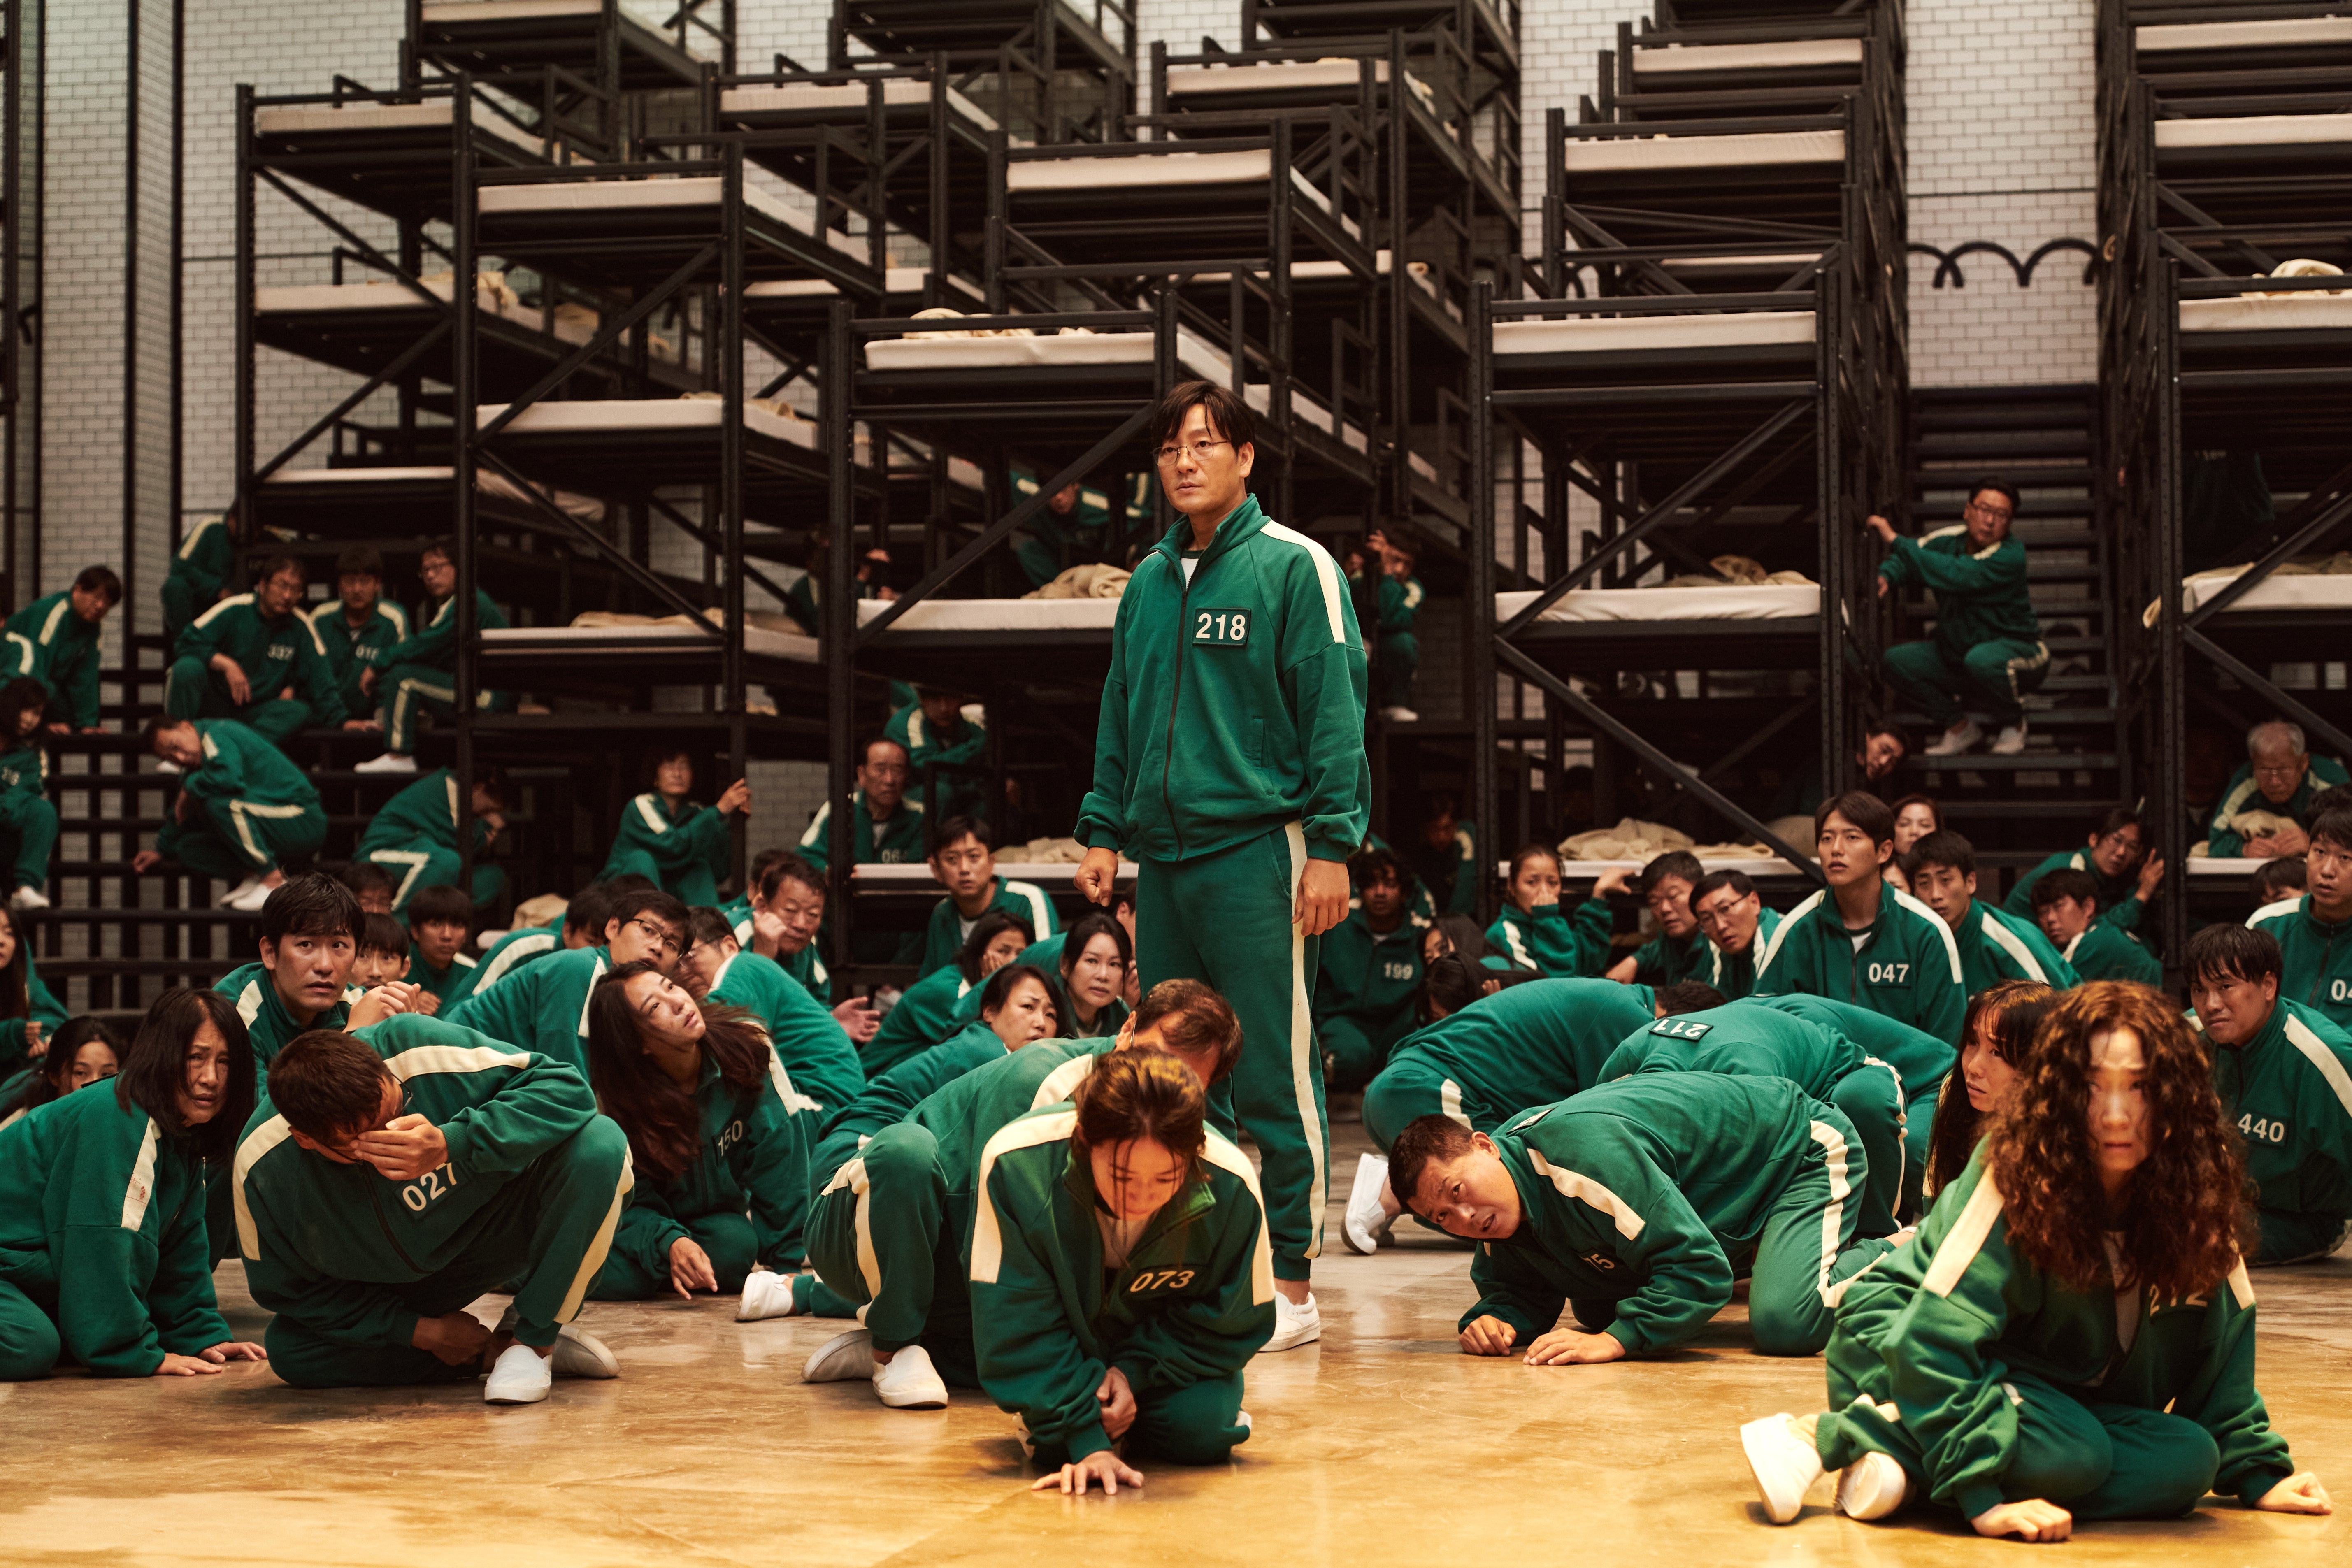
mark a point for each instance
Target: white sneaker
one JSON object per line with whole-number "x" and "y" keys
{"x": 1872, "y": 1487}
{"x": 1400, "y": 715}
{"x": 242, "y": 889}
{"x": 1785, "y": 1465}
{"x": 841, "y": 1358}
{"x": 249, "y": 899}
{"x": 2011, "y": 741}
{"x": 390, "y": 762}
{"x": 766, "y": 1294}
{"x": 1958, "y": 741}
{"x": 169, "y": 768}
{"x": 1293, "y": 1326}
{"x": 908, "y": 1381}
{"x": 520, "y": 1376}
{"x": 1366, "y": 1223}
{"x": 28, "y": 898}
{"x": 579, "y": 1353}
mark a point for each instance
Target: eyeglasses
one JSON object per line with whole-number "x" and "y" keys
{"x": 1998, "y": 513}
{"x": 1200, "y": 452}
{"x": 662, "y": 941}
{"x": 2283, "y": 771}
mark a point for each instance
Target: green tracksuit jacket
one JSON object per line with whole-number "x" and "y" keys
{"x": 41, "y": 1006}
{"x": 201, "y": 569}
{"x": 2110, "y": 953}
{"x": 1734, "y": 974}
{"x": 1192, "y": 1304}
{"x": 508, "y": 953}
{"x": 268, "y": 1024}
{"x": 1996, "y": 945}
{"x": 928, "y": 1013}
{"x": 683, "y": 847}
{"x": 352, "y": 651}
{"x": 103, "y": 1226}
{"x": 1739, "y": 1038}
{"x": 1525, "y": 1044}
{"x": 1980, "y": 594}
{"x": 2318, "y": 970}
{"x": 809, "y": 969}
{"x": 2119, "y": 902}
{"x": 59, "y": 649}
{"x": 1400, "y": 599}
{"x": 898, "y": 842}
{"x": 807, "y": 1038}
{"x": 754, "y": 1159}
{"x": 1908, "y": 966}
{"x": 449, "y": 984}
{"x": 308, "y": 1256}
{"x": 1920, "y": 1060}
{"x": 1662, "y": 961}
{"x": 423, "y": 813}
{"x": 1944, "y": 1345}
{"x": 1045, "y": 954}
{"x": 1561, "y": 946}
{"x": 1449, "y": 871}
{"x": 541, "y": 1008}
{"x": 890, "y": 1098}
{"x": 965, "y": 1112}
{"x": 2289, "y": 1089}
{"x": 1268, "y": 735}
{"x": 274, "y": 655}
{"x": 434, "y": 644}
{"x": 243, "y": 775}
{"x": 2244, "y": 794}
{"x": 943, "y": 937}
{"x": 1364, "y": 997}
{"x": 960, "y": 743}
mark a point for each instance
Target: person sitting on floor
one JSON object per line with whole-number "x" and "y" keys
{"x": 1994, "y": 1045}
{"x": 2278, "y": 779}
{"x": 1994, "y": 944}
{"x": 1094, "y": 978}
{"x": 416, "y": 675}
{"x": 964, "y": 863}
{"x": 28, "y": 818}
{"x": 1731, "y": 915}
{"x": 2128, "y": 876}
{"x": 248, "y": 657}
{"x": 783, "y": 926}
{"x": 28, "y": 1011}
{"x": 415, "y": 835}
{"x": 940, "y": 731}
{"x": 682, "y": 845}
{"x": 440, "y": 921}
{"x": 2071, "y": 1333}
{"x": 309, "y": 946}
{"x": 243, "y": 809}
{"x": 1371, "y": 975}
{"x": 1396, "y": 651}
{"x": 942, "y": 1001}
{"x": 2308, "y": 928}
{"x": 1444, "y": 859}
{"x": 1532, "y": 933}
{"x": 356, "y": 627}
{"x": 102, "y": 1240}
{"x": 717, "y": 1139}
{"x": 372, "y": 885}
{"x": 2281, "y": 1067}
{"x": 807, "y": 1039}
{"x": 1678, "y": 951}
{"x": 198, "y": 576}
{"x": 543, "y": 1006}
{"x": 1096, "y": 1320}
{"x": 1988, "y": 645}
{"x": 381, "y": 956}
{"x": 2066, "y": 907}
{"x": 2286, "y": 879}
{"x": 55, "y": 640}
{"x": 372, "y": 1293}
{"x": 84, "y": 1051}
{"x": 581, "y": 924}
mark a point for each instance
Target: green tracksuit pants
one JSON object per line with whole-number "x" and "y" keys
{"x": 1394, "y": 670}
{"x": 2097, "y": 1461}
{"x": 181, "y": 606}
{"x": 882, "y": 1238}
{"x": 692, "y": 886}
{"x": 1996, "y": 674}
{"x": 408, "y": 692}
{"x": 1226, "y": 919}
{"x": 1918, "y": 1129}
{"x": 230, "y": 845}
{"x": 1413, "y": 1087}
{"x": 1871, "y": 1099}
{"x": 425, "y": 865}
{"x": 726, "y": 1238}
{"x": 1198, "y": 1424}
{"x": 1354, "y": 1056}
{"x": 28, "y": 831}
{"x": 30, "y": 1345}
{"x": 192, "y": 690}
{"x": 550, "y": 1229}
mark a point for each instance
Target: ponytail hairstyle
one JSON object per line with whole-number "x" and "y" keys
{"x": 1133, "y": 1095}
{"x": 664, "y": 1124}
{"x": 2008, "y": 1013}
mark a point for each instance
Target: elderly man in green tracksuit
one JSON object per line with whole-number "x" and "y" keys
{"x": 199, "y": 573}
{"x": 1529, "y": 1044}
{"x": 2116, "y": 858}
{"x": 1860, "y": 939}
{"x": 243, "y": 807}
{"x": 2067, "y": 906}
{"x": 239, "y": 658}
{"x": 1918, "y": 1059}
{"x": 357, "y": 626}
{"x": 2315, "y": 932}
{"x": 1731, "y": 916}
{"x": 56, "y": 641}
{"x": 1236, "y": 652}
{"x": 544, "y": 1007}
{"x": 373, "y": 1206}
{"x": 2280, "y": 776}
{"x": 682, "y": 845}
{"x": 1636, "y": 1205}
{"x": 1994, "y": 944}
{"x": 941, "y": 731}
{"x": 885, "y": 828}
{"x": 963, "y": 860}
{"x": 415, "y": 835}
{"x": 1987, "y": 648}
{"x": 418, "y": 675}
{"x": 2284, "y": 1074}
{"x": 1371, "y": 976}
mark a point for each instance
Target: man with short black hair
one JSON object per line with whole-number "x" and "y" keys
{"x": 310, "y": 933}
{"x": 356, "y": 627}
{"x": 2284, "y": 1073}
{"x": 886, "y": 828}
{"x": 940, "y": 730}
{"x": 1446, "y": 857}
{"x": 1994, "y": 944}
{"x": 56, "y": 640}
{"x": 1731, "y": 915}
{"x": 544, "y": 1007}
{"x": 1371, "y": 975}
{"x": 1988, "y": 645}
{"x": 372, "y": 885}
{"x": 416, "y": 676}
{"x": 243, "y": 809}
{"x": 247, "y": 657}
{"x": 1678, "y": 951}
{"x": 440, "y": 918}
{"x": 415, "y": 835}
{"x": 964, "y": 862}
{"x": 2314, "y": 931}
{"x": 2117, "y": 855}
{"x": 2278, "y": 780}
{"x": 2066, "y": 908}
{"x": 1861, "y": 939}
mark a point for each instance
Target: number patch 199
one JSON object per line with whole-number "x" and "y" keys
{"x": 1220, "y": 628}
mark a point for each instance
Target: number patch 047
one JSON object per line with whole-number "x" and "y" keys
{"x": 1220, "y": 628}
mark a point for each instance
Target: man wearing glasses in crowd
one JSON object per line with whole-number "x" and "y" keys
{"x": 543, "y": 1006}
{"x": 1988, "y": 651}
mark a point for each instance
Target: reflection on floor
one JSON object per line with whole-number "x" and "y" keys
{"x": 1379, "y": 1446}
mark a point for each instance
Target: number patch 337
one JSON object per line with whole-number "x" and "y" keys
{"x": 1220, "y": 628}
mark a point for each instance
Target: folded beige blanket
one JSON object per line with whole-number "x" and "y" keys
{"x": 1634, "y": 840}
{"x": 1097, "y": 582}
{"x": 766, "y": 621}
{"x": 1738, "y": 572}
{"x": 1047, "y": 851}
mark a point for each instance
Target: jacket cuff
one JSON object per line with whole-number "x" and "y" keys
{"x": 1089, "y": 1439}
{"x": 1102, "y": 838}
{"x": 1338, "y": 853}
{"x": 2255, "y": 1485}
{"x": 460, "y": 1141}
{"x": 1975, "y": 1502}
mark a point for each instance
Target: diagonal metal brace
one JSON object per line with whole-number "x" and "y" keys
{"x": 358, "y": 396}
{"x": 2244, "y": 673}
{"x": 628, "y": 568}
{"x": 609, "y": 333}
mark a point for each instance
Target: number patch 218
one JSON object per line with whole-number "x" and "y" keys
{"x": 1220, "y": 628}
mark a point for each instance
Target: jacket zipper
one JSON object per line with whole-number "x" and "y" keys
{"x": 399, "y": 1251}
{"x": 1168, "y": 750}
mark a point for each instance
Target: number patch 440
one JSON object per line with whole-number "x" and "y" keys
{"x": 2263, "y": 1129}
{"x": 1220, "y": 628}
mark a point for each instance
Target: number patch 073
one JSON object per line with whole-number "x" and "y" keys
{"x": 1220, "y": 628}
{"x": 1159, "y": 1279}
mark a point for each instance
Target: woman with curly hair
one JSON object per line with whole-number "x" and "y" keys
{"x": 2071, "y": 1333}
{"x": 1994, "y": 1038}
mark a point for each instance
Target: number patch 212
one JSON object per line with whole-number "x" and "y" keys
{"x": 1220, "y": 628}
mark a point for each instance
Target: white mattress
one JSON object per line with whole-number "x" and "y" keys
{"x": 1057, "y": 875}
{"x": 1609, "y": 334}
{"x": 2233, "y": 866}
{"x": 897, "y": 280}
{"x": 586, "y": 508}
{"x": 997, "y": 615}
{"x": 423, "y": 116}
{"x": 2171, "y": 37}
{"x": 1761, "y": 602}
{"x": 2302, "y": 592}
{"x": 1777, "y": 258}
{"x": 2305, "y": 312}
{"x": 842, "y": 96}
{"x": 307, "y": 297}
{"x": 1750, "y": 57}
{"x": 1128, "y": 171}
{"x": 1747, "y": 150}
{"x": 507, "y": 10}
{"x": 649, "y": 413}
{"x": 756, "y": 639}
{"x": 2254, "y": 130}
{"x": 689, "y": 191}
{"x": 1270, "y": 73}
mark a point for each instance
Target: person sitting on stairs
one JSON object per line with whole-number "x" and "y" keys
{"x": 1988, "y": 645}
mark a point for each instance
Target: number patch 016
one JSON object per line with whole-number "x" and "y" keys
{"x": 1220, "y": 628}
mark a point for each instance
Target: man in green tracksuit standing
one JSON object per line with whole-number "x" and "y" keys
{"x": 242, "y": 809}
{"x": 2067, "y": 906}
{"x": 238, "y": 658}
{"x": 56, "y": 641}
{"x": 1988, "y": 648}
{"x": 1636, "y": 1204}
{"x": 1737, "y": 926}
{"x": 371, "y": 1207}
{"x": 414, "y": 837}
{"x": 418, "y": 675}
{"x": 199, "y": 573}
{"x": 543, "y": 1007}
{"x": 2315, "y": 932}
{"x": 939, "y": 732}
{"x": 357, "y": 626}
{"x": 1371, "y": 974}
{"x": 1859, "y": 939}
{"x": 1236, "y": 652}
{"x": 1994, "y": 944}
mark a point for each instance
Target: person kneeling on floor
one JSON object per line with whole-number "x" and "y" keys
{"x": 243, "y": 809}
{"x": 502, "y": 1171}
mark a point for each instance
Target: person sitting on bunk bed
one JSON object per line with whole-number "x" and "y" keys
{"x": 356, "y": 626}
{"x": 1678, "y": 951}
{"x": 1396, "y": 654}
{"x": 681, "y": 844}
{"x": 1072, "y": 528}
{"x": 248, "y": 657}
{"x": 886, "y": 828}
{"x": 2278, "y": 779}
{"x": 28, "y": 818}
{"x": 2066, "y": 908}
{"x": 416, "y": 675}
{"x": 2308, "y": 928}
{"x": 200, "y": 573}
{"x": 2117, "y": 861}
{"x": 802, "y": 601}
{"x": 964, "y": 862}
{"x": 1995, "y": 946}
{"x": 55, "y": 640}
{"x": 1446, "y": 857}
{"x": 1731, "y": 915}
{"x": 1988, "y": 645}
{"x": 940, "y": 731}
{"x": 243, "y": 809}
{"x": 1370, "y": 976}
{"x": 414, "y": 837}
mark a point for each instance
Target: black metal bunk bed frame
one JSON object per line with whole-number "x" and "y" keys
{"x": 23, "y": 101}
{"x": 1049, "y": 45}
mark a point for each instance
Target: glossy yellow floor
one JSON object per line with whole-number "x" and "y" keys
{"x": 1379, "y": 1446}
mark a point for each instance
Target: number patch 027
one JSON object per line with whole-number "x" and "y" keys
{"x": 1220, "y": 628}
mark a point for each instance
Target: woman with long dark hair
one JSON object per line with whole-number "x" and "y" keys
{"x": 1994, "y": 1038}
{"x": 1534, "y": 932}
{"x": 28, "y": 1013}
{"x": 721, "y": 1160}
{"x": 1096, "y": 961}
{"x": 943, "y": 1002}
{"x": 84, "y": 1052}
{"x": 103, "y": 1255}
{"x": 2071, "y": 1333}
